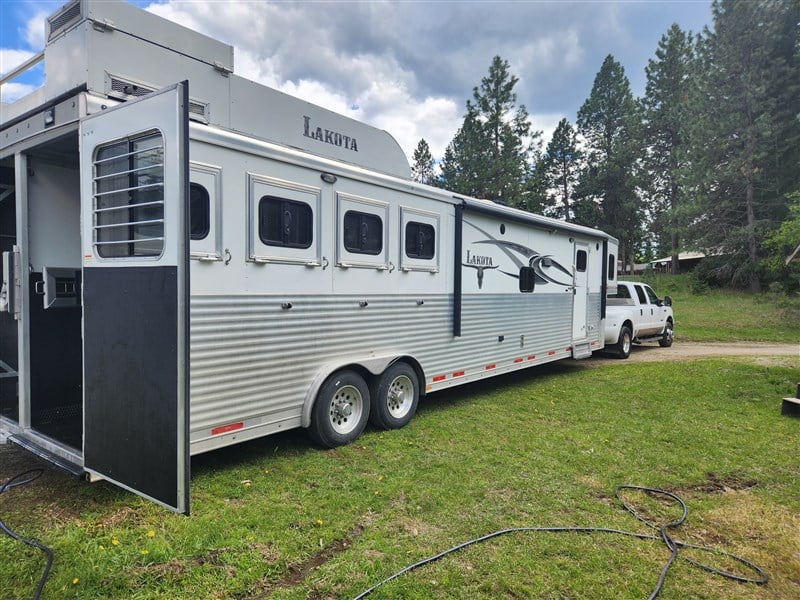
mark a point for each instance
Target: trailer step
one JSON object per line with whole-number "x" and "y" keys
{"x": 51, "y": 457}
{"x": 581, "y": 350}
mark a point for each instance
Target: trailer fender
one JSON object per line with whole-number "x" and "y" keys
{"x": 374, "y": 365}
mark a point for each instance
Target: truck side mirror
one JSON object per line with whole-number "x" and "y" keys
{"x": 667, "y": 300}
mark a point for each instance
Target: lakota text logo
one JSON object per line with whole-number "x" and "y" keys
{"x": 480, "y": 263}
{"x": 328, "y": 136}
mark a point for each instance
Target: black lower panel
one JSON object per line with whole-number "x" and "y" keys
{"x": 131, "y": 377}
{"x": 9, "y": 398}
{"x": 55, "y": 355}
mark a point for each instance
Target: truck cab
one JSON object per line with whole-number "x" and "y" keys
{"x": 634, "y": 315}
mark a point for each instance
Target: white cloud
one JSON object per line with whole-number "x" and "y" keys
{"x": 11, "y": 91}
{"x": 547, "y": 123}
{"x": 35, "y": 30}
{"x": 12, "y": 58}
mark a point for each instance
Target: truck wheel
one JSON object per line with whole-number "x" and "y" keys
{"x": 669, "y": 334}
{"x": 395, "y": 395}
{"x": 341, "y": 411}
{"x": 623, "y": 347}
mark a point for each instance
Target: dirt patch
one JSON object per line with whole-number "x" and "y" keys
{"x": 297, "y": 573}
{"x": 716, "y": 485}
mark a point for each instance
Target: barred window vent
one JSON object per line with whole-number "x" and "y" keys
{"x": 60, "y": 21}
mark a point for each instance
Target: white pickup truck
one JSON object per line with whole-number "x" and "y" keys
{"x": 635, "y": 314}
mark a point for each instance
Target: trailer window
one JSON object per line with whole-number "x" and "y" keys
{"x": 286, "y": 223}
{"x": 580, "y": 260}
{"x": 363, "y": 233}
{"x": 199, "y": 212}
{"x": 129, "y": 197}
{"x": 420, "y": 240}
{"x": 612, "y": 267}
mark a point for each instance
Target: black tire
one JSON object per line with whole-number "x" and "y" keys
{"x": 668, "y": 336}
{"x": 624, "y": 343}
{"x": 341, "y": 410}
{"x": 395, "y": 395}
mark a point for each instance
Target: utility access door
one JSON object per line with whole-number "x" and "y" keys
{"x": 580, "y": 291}
{"x": 134, "y": 182}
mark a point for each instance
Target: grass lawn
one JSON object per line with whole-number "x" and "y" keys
{"x": 277, "y": 518}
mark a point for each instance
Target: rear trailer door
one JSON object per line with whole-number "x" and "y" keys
{"x": 134, "y": 185}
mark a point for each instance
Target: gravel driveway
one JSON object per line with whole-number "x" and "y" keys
{"x": 688, "y": 350}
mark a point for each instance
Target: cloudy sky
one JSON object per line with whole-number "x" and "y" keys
{"x": 407, "y": 67}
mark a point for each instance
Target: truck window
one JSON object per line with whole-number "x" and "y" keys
{"x": 286, "y": 223}
{"x": 621, "y": 298}
{"x": 640, "y": 294}
{"x": 363, "y": 233}
{"x": 651, "y": 295}
{"x": 420, "y": 240}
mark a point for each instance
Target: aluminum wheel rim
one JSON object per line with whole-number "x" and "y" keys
{"x": 347, "y": 406}
{"x": 626, "y": 343}
{"x": 670, "y": 333}
{"x": 400, "y": 397}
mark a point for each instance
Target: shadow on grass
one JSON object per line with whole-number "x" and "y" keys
{"x": 469, "y": 391}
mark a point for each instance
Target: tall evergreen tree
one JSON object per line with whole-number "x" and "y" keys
{"x": 743, "y": 140}
{"x": 560, "y": 166}
{"x": 422, "y": 169}
{"x": 606, "y": 195}
{"x": 488, "y": 157}
{"x": 666, "y": 114}
{"x": 466, "y": 158}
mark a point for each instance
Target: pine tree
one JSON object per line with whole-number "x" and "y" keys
{"x": 665, "y": 107}
{"x": 422, "y": 169}
{"x": 744, "y": 141}
{"x": 560, "y": 168}
{"x": 488, "y": 157}
{"x": 606, "y": 195}
{"x": 466, "y": 158}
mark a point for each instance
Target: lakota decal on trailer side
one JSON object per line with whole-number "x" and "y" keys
{"x": 546, "y": 269}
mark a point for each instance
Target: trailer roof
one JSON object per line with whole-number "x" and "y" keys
{"x": 506, "y": 212}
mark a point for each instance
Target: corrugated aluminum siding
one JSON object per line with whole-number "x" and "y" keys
{"x": 251, "y": 358}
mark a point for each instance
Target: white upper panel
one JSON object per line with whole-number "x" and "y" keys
{"x": 116, "y": 50}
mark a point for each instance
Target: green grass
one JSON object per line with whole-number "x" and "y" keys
{"x": 721, "y": 315}
{"x": 543, "y": 447}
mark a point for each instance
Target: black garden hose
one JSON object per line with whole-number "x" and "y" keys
{"x": 672, "y": 544}
{"x": 16, "y": 481}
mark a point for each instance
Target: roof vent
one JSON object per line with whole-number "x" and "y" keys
{"x": 198, "y": 111}
{"x": 60, "y": 21}
{"x": 124, "y": 89}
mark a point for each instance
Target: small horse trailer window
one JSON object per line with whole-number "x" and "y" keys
{"x": 363, "y": 233}
{"x": 199, "y": 212}
{"x": 420, "y": 240}
{"x": 129, "y": 197}
{"x": 284, "y": 222}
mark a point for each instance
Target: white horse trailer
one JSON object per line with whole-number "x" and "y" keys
{"x": 191, "y": 265}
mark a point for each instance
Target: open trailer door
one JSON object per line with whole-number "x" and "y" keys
{"x": 134, "y": 182}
